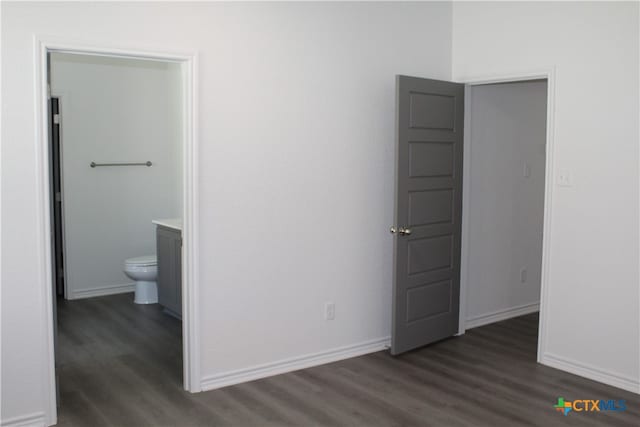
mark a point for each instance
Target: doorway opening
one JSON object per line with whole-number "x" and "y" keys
{"x": 504, "y": 204}
{"x": 116, "y": 176}
{"x": 117, "y": 149}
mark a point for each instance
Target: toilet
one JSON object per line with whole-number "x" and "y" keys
{"x": 144, "y": 270}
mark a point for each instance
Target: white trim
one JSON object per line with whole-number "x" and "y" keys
{"x": 547, "y": 227}
{"x": 32, "y": 420}
{"x": 102, "y": 291}
{"x": 65, "y": 45}
{"x": 293, "y": 364}
{"x": 465, "y": 228}
{"x": 516, "y": 76}
{"x": 550, "y": 75}
{"x": 190, "y": 327}
{"x": 190, "y": 231}
{"x": 591, "y": 372}
{"x": 43, "y": 213}
{"x": 498, "y": 315}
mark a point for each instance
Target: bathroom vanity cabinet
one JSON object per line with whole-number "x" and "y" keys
{"x": 169, "y": 251}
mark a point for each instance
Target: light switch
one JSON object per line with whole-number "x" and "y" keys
{"x": 564, "y": 178}
{"x": 526, "y": 171}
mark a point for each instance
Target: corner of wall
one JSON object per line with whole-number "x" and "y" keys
{"x": 590, "y": 372}
{"x": 293, "y": 364}
{"x": 36, "y": 419}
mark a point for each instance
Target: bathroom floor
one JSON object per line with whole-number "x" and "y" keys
{"x": 120, "y": 365}
{"x": 117, "y": 360}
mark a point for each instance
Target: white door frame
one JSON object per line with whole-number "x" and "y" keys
{"x": 190, "y": 317}
{"x": 549, "y": 76}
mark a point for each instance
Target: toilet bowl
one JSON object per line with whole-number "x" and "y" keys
{"x": 144, "y": 270}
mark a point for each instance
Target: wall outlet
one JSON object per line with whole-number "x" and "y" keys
{"x": 523, "y": 275}
{"x": 329, "y": 311}
{"x": 564, "y": 178}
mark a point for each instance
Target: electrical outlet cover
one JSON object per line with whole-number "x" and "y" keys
{"x": 564, "y": 178}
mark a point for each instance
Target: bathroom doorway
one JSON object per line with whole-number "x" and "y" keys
{"x": 118, "y": 133}
{"x": 116, "y": 149}
{"x": 116, "y": 153}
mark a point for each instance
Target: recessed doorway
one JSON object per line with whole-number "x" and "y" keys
{"x": 472, "y": 205}
{"x": 109, "y": 299}
{"x": 116, "y": 145}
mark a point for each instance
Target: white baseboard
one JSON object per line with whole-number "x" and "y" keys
{"x": 31, "y": 420}
{"x": 293, "y": 364}
{"x": 591, "y": 372}
{"x": 103, "y": 290}
{"x": 496, "y": 316}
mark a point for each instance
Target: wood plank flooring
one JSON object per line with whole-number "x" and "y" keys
{"x": 120, "y": 364}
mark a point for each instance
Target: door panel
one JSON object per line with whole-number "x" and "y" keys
{"x": 429, "y": 253}
{"x": 431, "y": 111}
{"x": 428, "y": 159}
{"x": 430, "y": 207}
{"x": 429, "y": 150}
{"x": 428, "y": 300}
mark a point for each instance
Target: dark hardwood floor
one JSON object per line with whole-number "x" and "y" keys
{"x": 120, "y": 364}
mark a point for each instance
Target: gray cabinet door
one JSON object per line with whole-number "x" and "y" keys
{"x": 169, "y": 250}
{"x": 426, "y": 288}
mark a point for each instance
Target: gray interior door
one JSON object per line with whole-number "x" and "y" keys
{"x": 427, "y": 230}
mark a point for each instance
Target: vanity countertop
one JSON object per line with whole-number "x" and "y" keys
{"x": 175, "y": 223}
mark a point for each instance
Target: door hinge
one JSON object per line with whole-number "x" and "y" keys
{"x": 48, "y": 91}
{"x": 58, "y": 196}
{"x": 61, "y": 273}
{"x": 56, "y": 119}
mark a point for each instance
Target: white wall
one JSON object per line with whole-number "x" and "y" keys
{"x": 116, "y": 110}
{"x": 296, "y": 160}
{"x": 592, "y": 323}
{"x": 507, "y": 133}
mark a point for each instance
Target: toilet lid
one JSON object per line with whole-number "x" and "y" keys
{"x": 142, "y": 260}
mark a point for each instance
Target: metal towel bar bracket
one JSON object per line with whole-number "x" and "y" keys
{"x": 94, "y": 164}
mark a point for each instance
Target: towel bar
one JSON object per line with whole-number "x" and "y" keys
{"x": 94, "y": 164}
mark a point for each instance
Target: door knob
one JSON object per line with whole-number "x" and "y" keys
{"x": 401, "y": 231}
{"x": 404, "y": 231}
